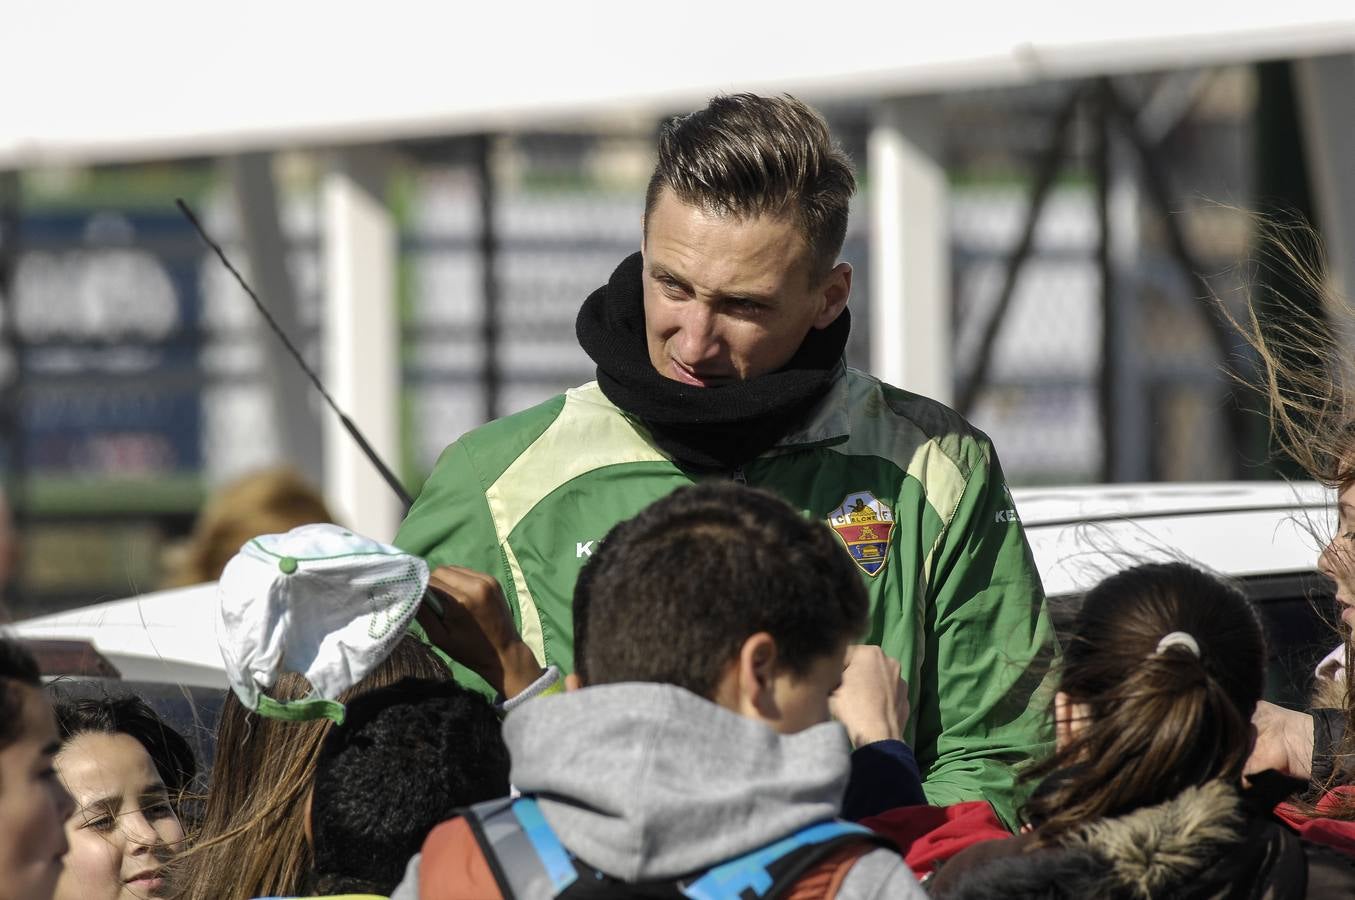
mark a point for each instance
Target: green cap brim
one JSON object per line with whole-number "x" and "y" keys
{"x": 301, "y": 710}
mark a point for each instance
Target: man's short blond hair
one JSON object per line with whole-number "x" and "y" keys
{"x": 745, "y": 156}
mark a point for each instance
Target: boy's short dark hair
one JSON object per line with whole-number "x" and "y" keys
{"x": 406, "y": 758}
{"x": 745, "y": 156}
{"x": 671, "y": 594}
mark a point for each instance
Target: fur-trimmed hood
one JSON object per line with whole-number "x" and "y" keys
{"x": 1153, "y": 850}
{"x": 1204, "y": 843}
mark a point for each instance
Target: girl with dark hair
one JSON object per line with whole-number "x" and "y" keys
{"x": 127, "y": 770}
{"x": 33, "y": 803}
{"x": 1143, "y": 796}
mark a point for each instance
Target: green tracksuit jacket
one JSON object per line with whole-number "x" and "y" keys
{"x": 914, "y": 492}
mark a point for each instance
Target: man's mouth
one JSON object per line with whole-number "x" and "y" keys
{"x": 686, "y": 375}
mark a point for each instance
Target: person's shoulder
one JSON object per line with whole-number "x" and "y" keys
{"x": 506, "y": 438}
{"x": 905, "y": 422}
{"x": 583, "y": 407}
{"x": 520, "y": 427}
{"x": 879, "y": 873}
{"x": 1014, "y": 868}
{"x": 1331, "y": 872}
{"x": 871, "y": 396}
{"x": 452, "y": 865}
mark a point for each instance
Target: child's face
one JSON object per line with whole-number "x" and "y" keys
{"x": 1337, "y": 561}
{"x": 33, "y": 803}
{"x": 123, "y": 829}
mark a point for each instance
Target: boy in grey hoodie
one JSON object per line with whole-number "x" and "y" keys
{"x": 710, "y": 631}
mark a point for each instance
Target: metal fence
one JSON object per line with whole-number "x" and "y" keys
{"x": 138, "y": 366}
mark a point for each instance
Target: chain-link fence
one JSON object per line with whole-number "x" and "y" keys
{"x": 140, "y": 366}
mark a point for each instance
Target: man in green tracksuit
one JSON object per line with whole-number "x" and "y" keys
{"x": 719, "y": 355}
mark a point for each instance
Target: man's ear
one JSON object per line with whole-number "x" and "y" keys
{"x": 573, "y": 682}
{"x": 835, "y": 288}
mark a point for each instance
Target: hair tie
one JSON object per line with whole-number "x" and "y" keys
{"x": 1178, "y": 639}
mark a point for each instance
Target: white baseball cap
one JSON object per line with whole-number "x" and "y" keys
{"x": 320, "y": 600}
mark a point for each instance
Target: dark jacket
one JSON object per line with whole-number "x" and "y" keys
{"x": 1207, "y": 842}
{"x": 1329, "y": 729}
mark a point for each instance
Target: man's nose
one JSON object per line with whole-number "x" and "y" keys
{"x": 698, "y": 336}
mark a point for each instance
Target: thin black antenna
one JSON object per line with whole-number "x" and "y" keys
{"x": 348, "y": 425}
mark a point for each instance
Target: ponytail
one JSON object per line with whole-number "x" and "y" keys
{"x": 1167, "y": 663}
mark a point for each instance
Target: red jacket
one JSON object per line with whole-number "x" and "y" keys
{"x": 1339, "y": 834}
{"x": 928, "y": 835}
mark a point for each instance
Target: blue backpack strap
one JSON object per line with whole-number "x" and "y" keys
{"x": 757, "y": 875}
{"x": 527, "y": 859}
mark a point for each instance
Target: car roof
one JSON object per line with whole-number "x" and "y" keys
{"x": 1240, "y": 529}
{"x": 164, "y": 636}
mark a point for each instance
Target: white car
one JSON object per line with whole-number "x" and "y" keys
{"x": 1266, "y": 536}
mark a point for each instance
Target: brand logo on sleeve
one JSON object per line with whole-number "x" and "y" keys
{"x": 866, "y": 526}
{"x": 1004, "y": 516}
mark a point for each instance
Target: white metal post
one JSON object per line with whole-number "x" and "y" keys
{"x": 294, "y": 402}
{"x": 910, "y": 310}
{"x": 361, "y": 339}
{"x": 1324, "y": 87}
{"x": 1134, "y": 429}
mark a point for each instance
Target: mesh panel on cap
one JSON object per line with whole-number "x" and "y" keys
{"x": 386, "y": 626}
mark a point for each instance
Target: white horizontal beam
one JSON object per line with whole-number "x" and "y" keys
{"x": 85, "y": 82}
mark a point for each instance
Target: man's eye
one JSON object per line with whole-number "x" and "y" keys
{"x": 101, "y": 823}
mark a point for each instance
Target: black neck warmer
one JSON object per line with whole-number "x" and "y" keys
{"x": 709, "y": 428}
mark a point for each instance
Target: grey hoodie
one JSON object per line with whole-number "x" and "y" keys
{"x": 649, "y": 781}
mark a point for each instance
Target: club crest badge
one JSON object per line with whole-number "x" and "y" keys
{"x": 866, "y": 526}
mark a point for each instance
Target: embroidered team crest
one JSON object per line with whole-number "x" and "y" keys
{"x": 866, "y": 526}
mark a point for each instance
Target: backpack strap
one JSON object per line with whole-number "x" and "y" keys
{"x": 527, "y": 859}
{"x": 824, "y": 880}
{"x": 771, "y": 871}
{"x": 529, "y": 862}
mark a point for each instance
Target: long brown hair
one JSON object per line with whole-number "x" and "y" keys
{"x": 1307, "y": 377}
{"x": 1157, "y": 721}
{"x": 1303, "y": 369}
{"x": 252, "y": 841}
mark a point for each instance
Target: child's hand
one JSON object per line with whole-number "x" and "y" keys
{"x": 475, "y": 628}
{"x": 872, "y": 702}
{"x": 1284, "y": 742}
